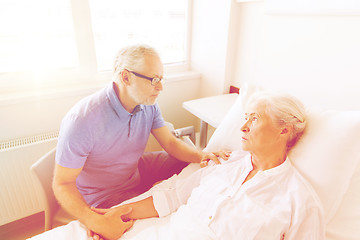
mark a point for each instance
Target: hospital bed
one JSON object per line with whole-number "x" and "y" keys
{"x": 328, "y": 156}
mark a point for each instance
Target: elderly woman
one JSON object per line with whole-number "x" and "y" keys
{"x": 255, "y": 194}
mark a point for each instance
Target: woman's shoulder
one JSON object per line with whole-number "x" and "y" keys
{"x": 301, "y": 187}
{"x": 235, "y": 157}
{"x": 238, "y": 155}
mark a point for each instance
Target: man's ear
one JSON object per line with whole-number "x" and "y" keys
{"x": 124, "y": 77}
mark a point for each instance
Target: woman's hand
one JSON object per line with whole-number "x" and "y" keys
{"x": 214, "y": 156}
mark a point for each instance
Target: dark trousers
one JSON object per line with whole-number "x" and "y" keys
{"x": 157, "y": 166}
{"x": 153, "y": 167}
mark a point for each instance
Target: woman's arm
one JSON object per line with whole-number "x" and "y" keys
{"x": 137, "y": 210}
{"x": 142, "y": 209}
{"x": 310, "y": 225}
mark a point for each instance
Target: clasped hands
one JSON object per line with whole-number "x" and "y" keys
{"x": 114, "y": 223}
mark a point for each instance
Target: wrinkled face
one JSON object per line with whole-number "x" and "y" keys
{"x": 140, "y": 89}
{"x": 259, "y": 131}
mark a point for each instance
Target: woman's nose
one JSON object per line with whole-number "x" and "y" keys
{"x": 245, "y": 127}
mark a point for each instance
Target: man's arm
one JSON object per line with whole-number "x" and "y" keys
{"x": 181, "y": 150}
{"x": 64, "y": 185}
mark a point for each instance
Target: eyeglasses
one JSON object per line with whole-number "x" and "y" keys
{"x": 154, "y": 81}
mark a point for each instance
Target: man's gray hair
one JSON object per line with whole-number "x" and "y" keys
{"x": 284, "y": 110}
{"x": 132, "y": 58}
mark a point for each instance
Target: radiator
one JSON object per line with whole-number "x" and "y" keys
{"x": 19, "y": 190}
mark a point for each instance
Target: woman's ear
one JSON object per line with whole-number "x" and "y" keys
{"x": 286, "y": 130}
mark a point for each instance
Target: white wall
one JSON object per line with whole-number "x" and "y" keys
{"x": 24, "y": 116}
{"x": 175, "y": 93}
{"x": 301, "y": 53}
{"x": 210, "y": 43}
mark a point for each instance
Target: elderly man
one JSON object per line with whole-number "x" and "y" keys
{"x": 100, "y": 158}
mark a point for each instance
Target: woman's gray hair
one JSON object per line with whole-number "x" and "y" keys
{"x": 284, "y": 110}
{"x": 132, "y": 58}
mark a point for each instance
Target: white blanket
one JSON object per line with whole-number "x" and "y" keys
{"x": 72, "y": 231}
{"x": 180, "y": 225}
{"x": 175, "y": 226}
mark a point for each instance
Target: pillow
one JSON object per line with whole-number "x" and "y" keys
{"x": 327, "y": 155}
{"x": 345, "y": 224}
{"x": 227, "y": 135}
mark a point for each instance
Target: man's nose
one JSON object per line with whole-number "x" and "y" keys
{"x": 159, "y": 86}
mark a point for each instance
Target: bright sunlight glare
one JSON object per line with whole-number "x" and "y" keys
{"x": 38, "y": 35}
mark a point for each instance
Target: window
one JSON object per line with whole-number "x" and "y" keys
{"x": 36, "y": 35}
{"x": 159, "y": 23}
{"x": 45, "y": 42}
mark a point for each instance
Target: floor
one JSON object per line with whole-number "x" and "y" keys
{"x": 30, "y": 226}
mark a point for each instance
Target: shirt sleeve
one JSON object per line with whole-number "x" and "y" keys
{"x": 74, "y": 142}
{"x": 174, "y": 192}
{"x": 310, "y": 225}
{"x": 158, "y": 121}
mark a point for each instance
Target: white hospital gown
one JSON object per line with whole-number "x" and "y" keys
{"x": 275, "y": 204}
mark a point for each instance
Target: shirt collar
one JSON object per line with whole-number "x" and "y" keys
{"x": 115, "y": 103}
{"x": 279, "y": 169}
{"x": 272, "y": 171}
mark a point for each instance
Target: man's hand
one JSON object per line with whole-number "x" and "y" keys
{"x": 114, "y": 223}
{"x": 214, "y": 156}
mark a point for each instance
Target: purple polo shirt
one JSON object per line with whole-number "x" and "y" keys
{"x": 100, "y": 136}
